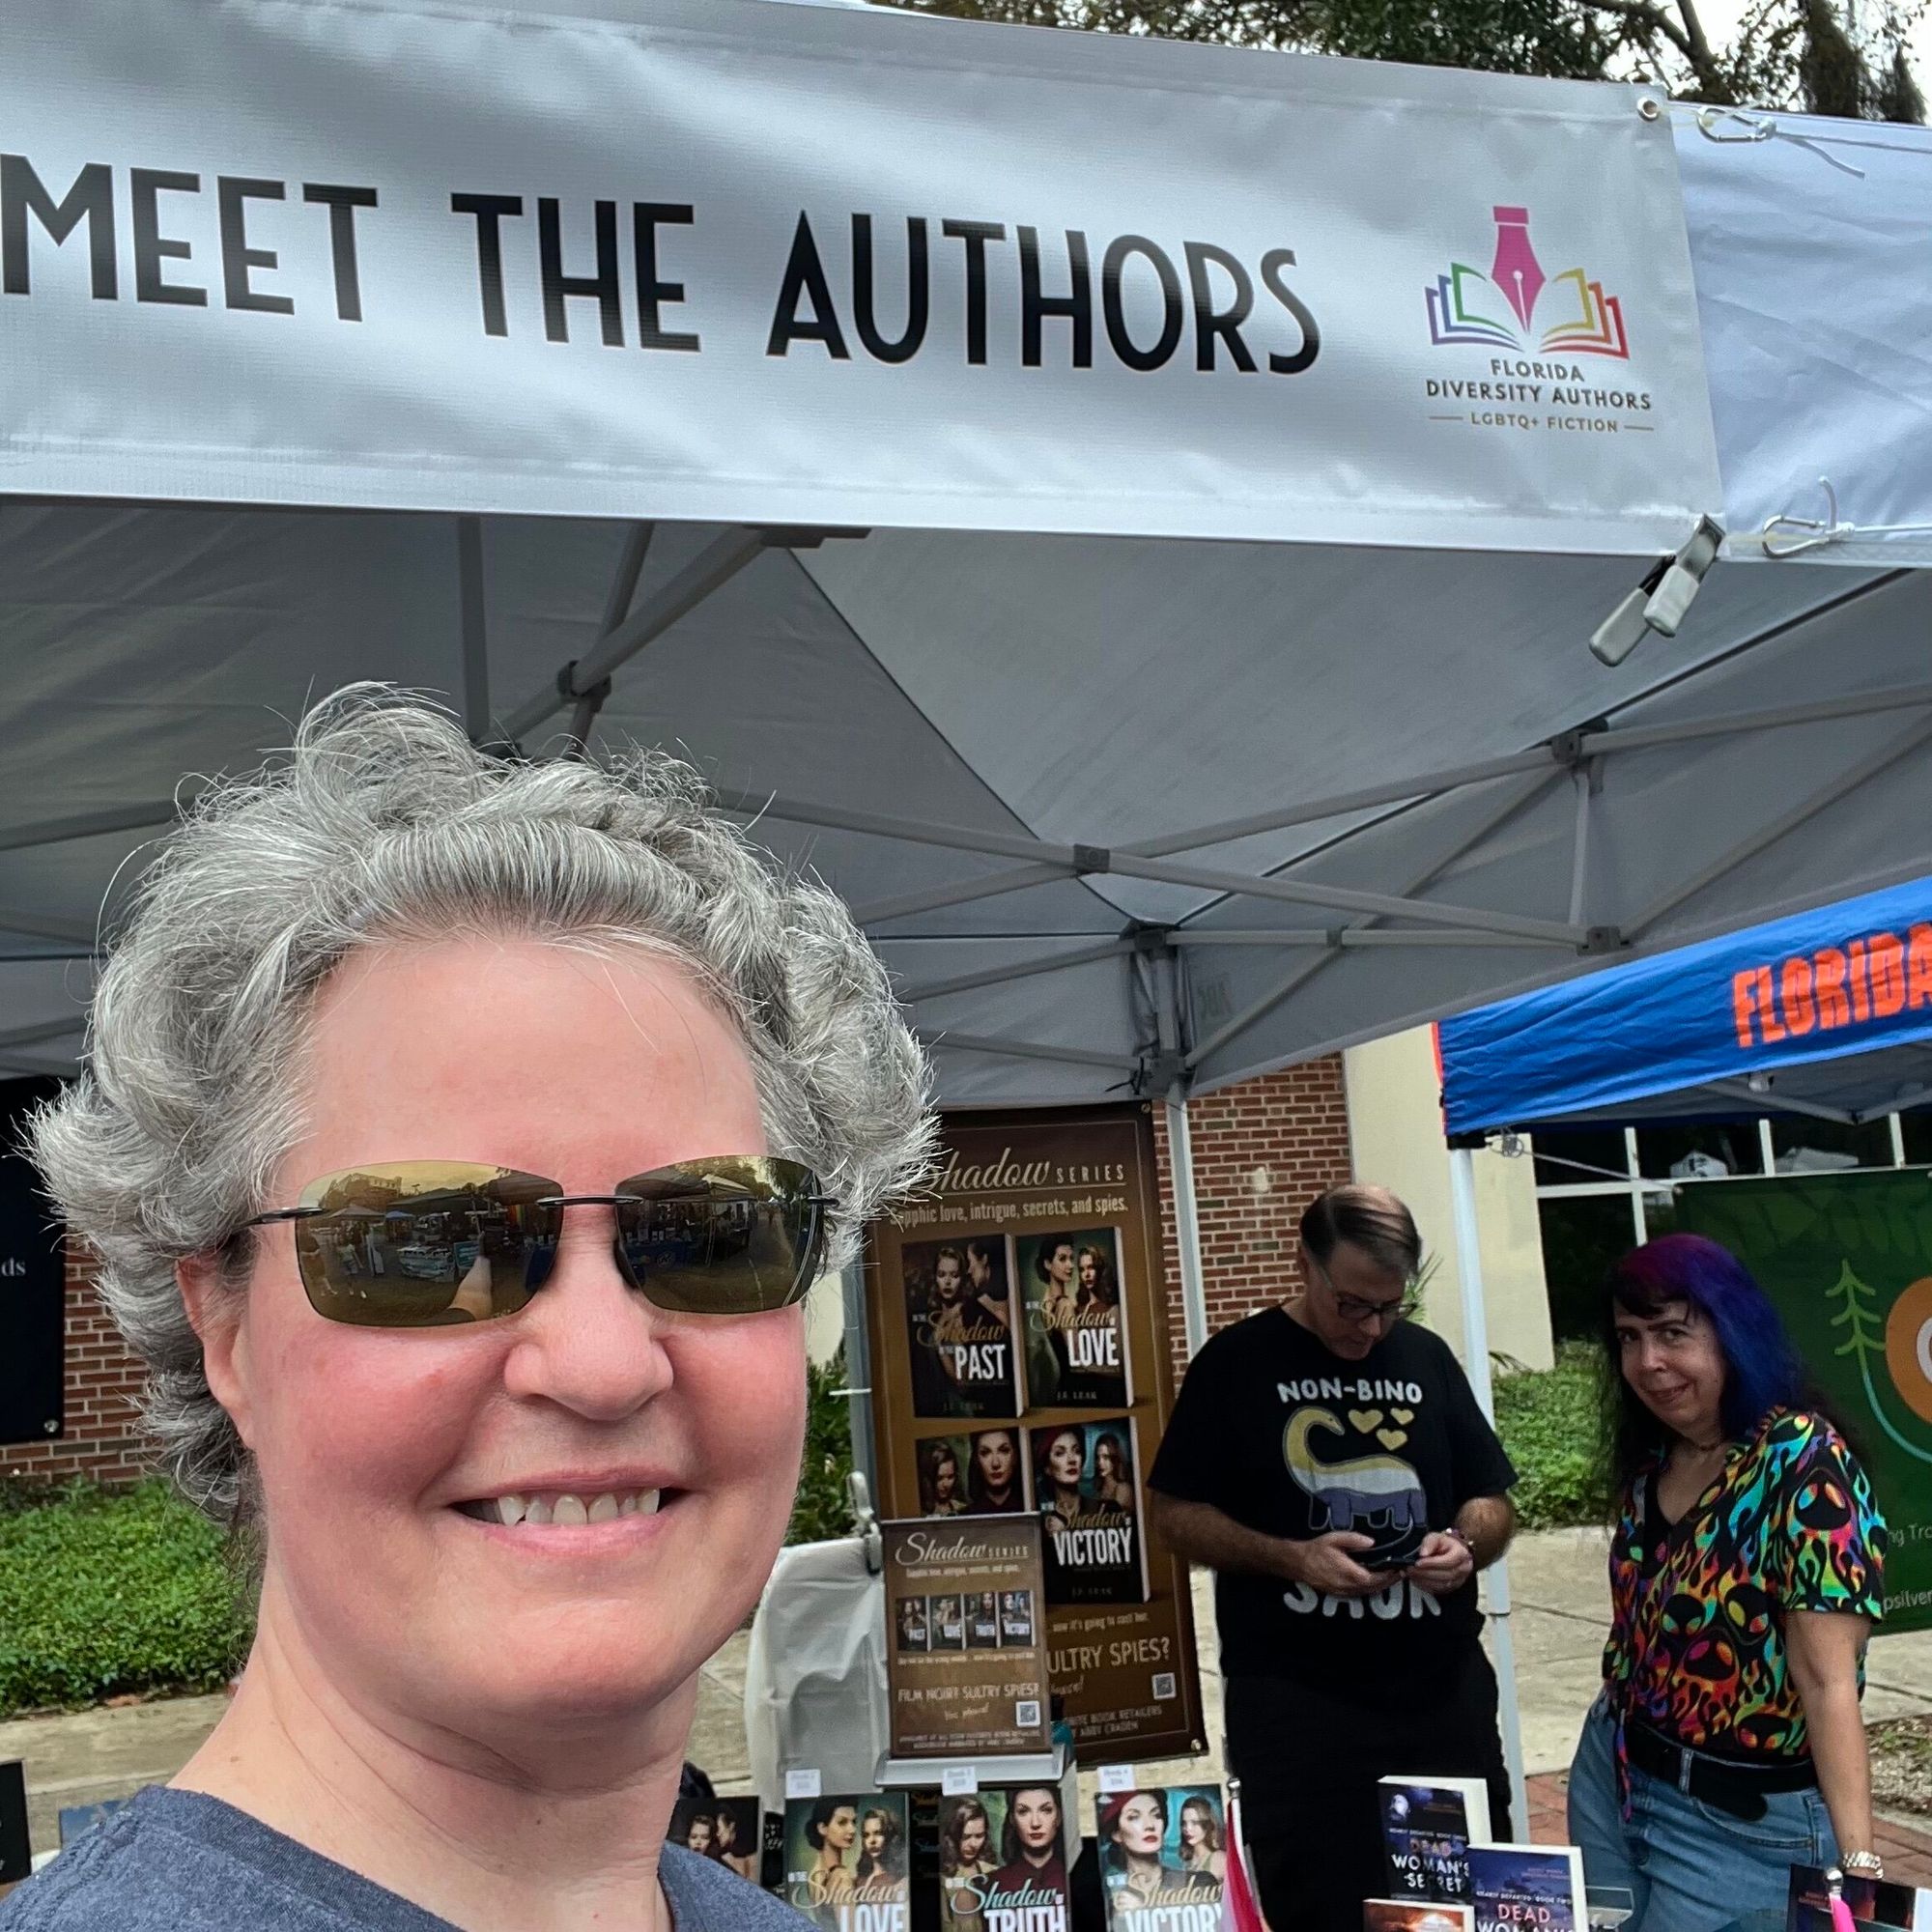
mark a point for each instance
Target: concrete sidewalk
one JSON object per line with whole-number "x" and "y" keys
{"x": 1560, "y": 1613}
{"x": 1560, "y": 1602}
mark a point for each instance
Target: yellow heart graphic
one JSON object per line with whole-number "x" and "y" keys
{"x": 1391, "y": 1439}
{"x": 1405, "y": 1416}
{"x": 1367, "y": 1420}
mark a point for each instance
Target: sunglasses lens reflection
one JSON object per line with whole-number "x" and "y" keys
{"x": 734, "y": 1236}
{"x": 425, "y": 1243}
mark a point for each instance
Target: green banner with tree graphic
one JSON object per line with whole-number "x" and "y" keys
{"x": 1848, "y": 1259}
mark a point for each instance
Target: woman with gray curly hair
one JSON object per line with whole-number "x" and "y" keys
{"x": 459, "y": 1138}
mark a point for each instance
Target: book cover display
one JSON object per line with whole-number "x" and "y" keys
{"x": 846, "y": 1860}
{"x": 1003, "y": 1860}
{"x": 726, "y": 1830}
{"x": 1053, "y": 1213}
{"x": 1512, "y": 1887}
{"x": 1872, "y": 1902}
{"x": 983, "y": 1473}
{"x": 1416, "y": 1915}
{"x": 1163, "y": 1856}
{"x": 1428, "y": 1824}
{"x": 959, "y": 1327}
{"x": 1086, "y": 1484}
{"x": 966, "y": 1668}
{"x": 1076, "y": 1343}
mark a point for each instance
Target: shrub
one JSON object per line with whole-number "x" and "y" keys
{"x": 822, "y": 1510}
{"x": 103, "y": 1594}
{"x": 1549, "y": 1421}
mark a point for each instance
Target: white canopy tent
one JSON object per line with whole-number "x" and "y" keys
{"x": 1161, "y": 728}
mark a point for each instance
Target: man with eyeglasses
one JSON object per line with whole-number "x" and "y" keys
{"x": 1327, "y": 1458}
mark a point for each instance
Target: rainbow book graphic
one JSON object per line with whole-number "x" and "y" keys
{"x": 1517, "y": 306}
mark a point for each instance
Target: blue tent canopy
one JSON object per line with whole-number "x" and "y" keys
{"x": 1826, "y": 1012}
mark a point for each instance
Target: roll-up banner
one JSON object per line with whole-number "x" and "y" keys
{"x": 1021, "y": 1366}
{"x": 726, "y": 260}
{"x": 1848, "y": 1259}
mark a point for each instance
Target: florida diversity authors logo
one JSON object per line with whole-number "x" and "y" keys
{"x": 1517, "y": 306}
{"x": 1537, "y": 329}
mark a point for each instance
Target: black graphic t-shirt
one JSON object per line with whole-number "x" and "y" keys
{"x": 1290, "y": 1440}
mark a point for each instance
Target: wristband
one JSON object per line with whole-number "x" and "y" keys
{"x": 1866, "y": 1864}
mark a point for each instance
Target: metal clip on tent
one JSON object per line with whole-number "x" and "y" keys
{"x": 1757, "y": 128}
{"x": 866, "y": 1522}
{"x": 1785, "y": 535}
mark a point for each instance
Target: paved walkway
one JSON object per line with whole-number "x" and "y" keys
{"x": 1560, "y": 1609}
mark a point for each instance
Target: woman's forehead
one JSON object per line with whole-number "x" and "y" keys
{"x": 538, "y": 1056}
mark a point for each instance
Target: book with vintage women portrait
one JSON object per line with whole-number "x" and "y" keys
{"x": 1163, "y": 1853}
{"x": 1086, "y": 1483}
{"x": 728, "y": 1831}
{"x": 959, "y": 1327}
{"x": 1003, "y": 1860}
{"x": 846, "y": 1861}
{"x": 1076, "y": 1335}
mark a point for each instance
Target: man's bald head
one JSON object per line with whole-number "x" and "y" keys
{"x": 1370, "y": 1218}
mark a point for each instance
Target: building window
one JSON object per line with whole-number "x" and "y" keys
{"x": 1602, "y": 1190}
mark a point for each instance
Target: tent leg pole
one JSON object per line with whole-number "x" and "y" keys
{"x": 858, "y": 1390}
{"x": 1476, "y": 1362}
{"x": 476, "y": 631}
{"x": 1186, "y": 1223}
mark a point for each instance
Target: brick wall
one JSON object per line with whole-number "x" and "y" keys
{"x": 102, "y": 1380}
{"x": 1262, "y": 1151}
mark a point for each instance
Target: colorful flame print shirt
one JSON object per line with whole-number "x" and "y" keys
{"x": 1696, "y": 1648}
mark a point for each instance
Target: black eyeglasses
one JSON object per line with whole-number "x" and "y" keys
{"x": 1357, "y": 1309}
{"x": 431, "y": 1243}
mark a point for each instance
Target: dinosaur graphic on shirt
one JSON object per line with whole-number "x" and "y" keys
{"x": 1356, "y": 1490}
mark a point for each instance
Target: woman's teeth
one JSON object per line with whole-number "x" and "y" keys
{"x": 560, "y": 1510}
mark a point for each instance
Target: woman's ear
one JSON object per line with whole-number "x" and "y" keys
{"x": 214, "y": 1314}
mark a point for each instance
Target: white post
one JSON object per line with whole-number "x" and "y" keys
{"x": 1186, "y": 1226}
{"x": 1476, "y": 1361}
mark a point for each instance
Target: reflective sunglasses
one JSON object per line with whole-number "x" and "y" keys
{"x": 431, "y": 1243}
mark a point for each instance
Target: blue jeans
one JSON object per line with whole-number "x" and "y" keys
{"x": 1690, "y": 1867}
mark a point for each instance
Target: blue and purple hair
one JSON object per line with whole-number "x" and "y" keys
{"x": 1762, "y": 1370}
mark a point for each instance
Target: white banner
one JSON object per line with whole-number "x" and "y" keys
{"x": 735, "y": 261}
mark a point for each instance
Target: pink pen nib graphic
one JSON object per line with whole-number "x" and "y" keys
{"x": 1516, "y": 270}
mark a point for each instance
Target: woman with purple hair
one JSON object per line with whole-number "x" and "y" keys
{"x": 1747, "y": 1568}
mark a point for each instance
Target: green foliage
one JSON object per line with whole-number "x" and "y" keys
{"x": 1550, "y": 1422}
{"x": 1783, "y": 54}
{"x": 103, "y": 1594}
{"x": 822, "y": 1511}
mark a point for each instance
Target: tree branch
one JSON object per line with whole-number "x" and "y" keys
{"x": 1643, "y": 14}
{"x": 1693, "y": 27}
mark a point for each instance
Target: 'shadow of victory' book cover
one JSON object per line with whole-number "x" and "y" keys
{"x": 1163, "y": 1857}
{"x": 1086, "y": 1488}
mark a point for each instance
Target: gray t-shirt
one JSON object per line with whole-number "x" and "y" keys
{"x": 180, "y": 1862}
